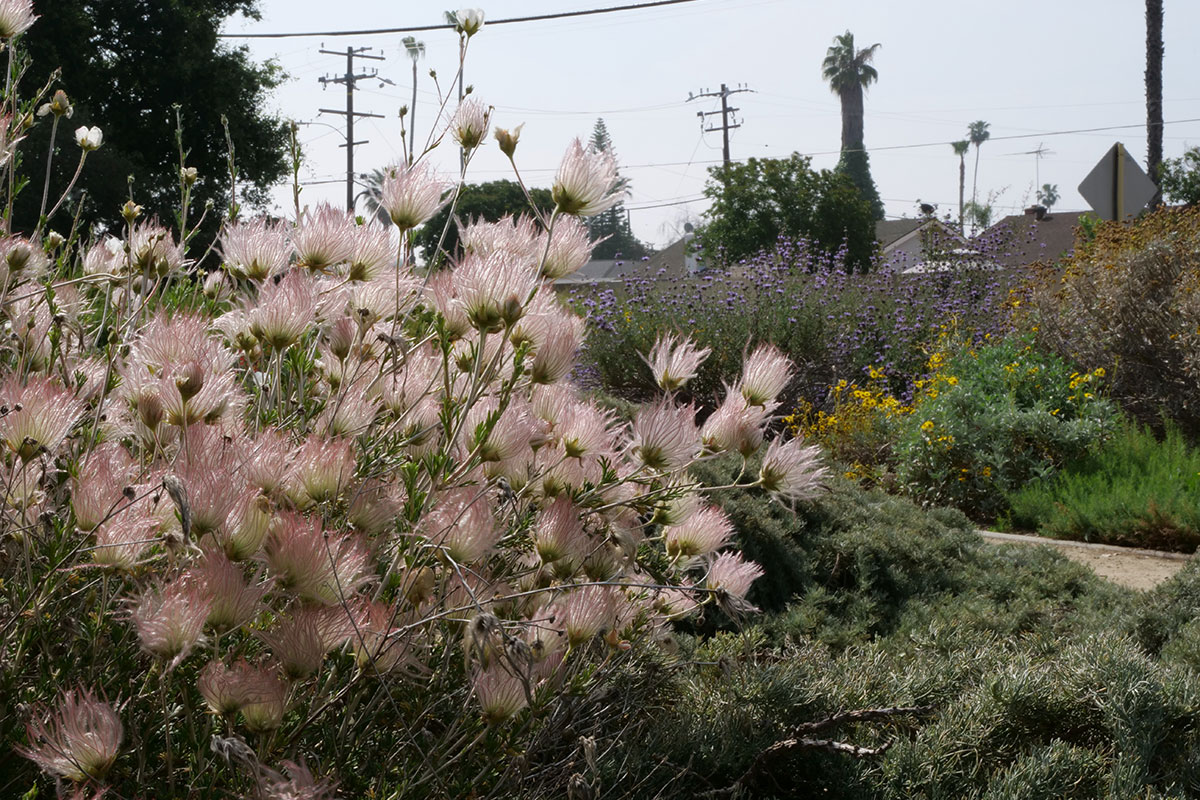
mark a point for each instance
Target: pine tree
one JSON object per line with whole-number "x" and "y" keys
{"x": 612, "y": 225}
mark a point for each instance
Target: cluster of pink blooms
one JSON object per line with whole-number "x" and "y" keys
{"x": 354, "y": 458}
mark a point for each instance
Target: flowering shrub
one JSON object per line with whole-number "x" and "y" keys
{"x": 319, "y": 514}
{"x": 994, "y": 418}
{"x": 858, "y": 428}
{"x": 1127, "y": 301}
{"x": 834, "y": 325}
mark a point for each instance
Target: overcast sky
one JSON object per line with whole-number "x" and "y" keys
{"x": 1030, "y": 69}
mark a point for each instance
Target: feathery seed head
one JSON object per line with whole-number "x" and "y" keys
{"x": 412, "y": 194}
{"x": 78, "y": 741}
{"x": 674, "y": 362}
{"x": 586, "y": 181}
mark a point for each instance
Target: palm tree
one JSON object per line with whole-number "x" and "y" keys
{"x": 1154, "y": 111}
{"x": 415, "y": 51}
{"x": 977, "y": 133}
{"x": 372, "y": 194}
{"x": 849, "y": 72}
{"x": 960, "y": 150}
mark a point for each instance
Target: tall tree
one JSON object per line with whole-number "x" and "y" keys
{"x": 612, "y": 226}
{"x": 415, "y": 51}
{"x": 849, "y": 73}
{"x": 1154, "y": 108}
{"x": 127, "y": 65}
{"x": 960, "y": 149}
{"x": 757, "y": 202}
{"x": 977, "y": 133}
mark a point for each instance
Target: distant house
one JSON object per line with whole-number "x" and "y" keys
{"x": 671, "y": 263}
{"x": 918, "y": 244}
{"x": 1035, "y": 236}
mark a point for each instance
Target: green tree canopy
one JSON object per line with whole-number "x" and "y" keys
{"x": 611, "y": 227}
{"x": 755, "y": 203}
{"x": 1180, "y": 178}
{"x": 127, "y": 65}
{"x": 490, "y": 201}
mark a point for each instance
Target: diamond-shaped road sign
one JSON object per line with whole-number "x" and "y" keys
{"x": 1117, "y": 187}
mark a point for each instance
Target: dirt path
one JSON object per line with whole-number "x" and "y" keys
{"x": 1136, "y": 569}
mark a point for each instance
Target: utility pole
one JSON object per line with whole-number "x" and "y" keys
{"x": 350, "y": 80}
{"x": 725, "y": 111}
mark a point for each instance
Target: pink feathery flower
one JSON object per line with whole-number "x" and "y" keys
{"x": 372, "y": 253}
{"x": 107, "y": 257}
{"x": 493, "y": 290}
{"x": 264, "y": 698}
{"x": 469, "y": 125}
{"x": 169, "y": 619}
{"x": 500, "y": 694}
{"x": 78, "y": 741}
{"x": 570, "y": 248}
{"x": 587, "y": 181}
{"x": 731, "y": 574}
{"x": 680, "y": 503}
{"x": 587, "y": 612}
{"x": 792, "y": 471}
{"x": 154, "y": 251}
{"x": 246, "y": 529}
{"x": 16, "y": 17}
{"x": 301, "y": 640}
{"x": 210, "y": 467}
{"x": 554, "y": 354}
{"x": 558, "y": 532}
{"x": 443, "y": 295}
{"x": 324, "y": 238}
{"x": 233, "y": 601}
{"x": 37, "y": 415}
{"x": 510, "y": 430}
{"x": 322, "y": 470}
{"x": 674, "y": 362}
{"x": 98, "y": 490}
{"x": 314, "y": 564}
{"x": 284, "y": 312}
{"x": 585, "y": 430}
{"x": 377, "y": 641}
{"x": 736, "y": 426}
{"x": 265, "y": 458}
{"x": 412, "y": 194}
{"x": 765, "y": 373}
{"x": 462, "y": 522}
{"x": 256, "y": 250}
{"x": 375, "y": 506}
{"x": 299, "y": 784}
{"x": 351, "y": 410}
{"x": 30, "y": 320}
{"x": 20, "y": 260}
{"x": 121, "y": 540}
{"x": 520, "y": 237}
{"x": 676, "y": 602}
{"x": 701, "y": 533}
{"x": 664, "y": 436}
{"x": 222, "y": 687}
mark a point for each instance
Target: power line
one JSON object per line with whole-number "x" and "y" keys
{"x": 444, "y": 26}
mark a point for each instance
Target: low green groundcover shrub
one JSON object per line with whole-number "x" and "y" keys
{"x": 1137, "y": 489}
{"x": 1025, "y": 676}
{"x": 1001, "y": 416}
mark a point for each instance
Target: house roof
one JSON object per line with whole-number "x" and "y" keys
{"x": 890, "y": 231}
{"x": 1022, "y": 239}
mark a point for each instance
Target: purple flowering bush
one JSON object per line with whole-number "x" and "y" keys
{"x": 834, "y": 324}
